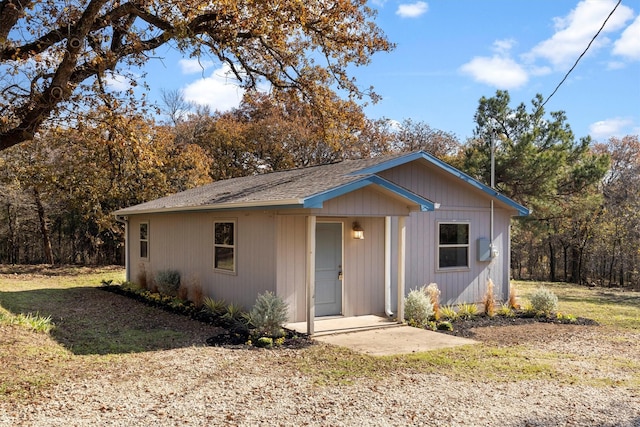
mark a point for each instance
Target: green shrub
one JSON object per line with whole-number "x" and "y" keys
{"x": 544, "y": 301}
{"x": 168, "y": 282}
{"x": 268, "y": 315}
{"x": 131, "y": 287}
{"x": 445, "y": 326}
{"x": 35, "y": 322}
{"x": 566, "y": 318}
{"x": 448, "y": 312}
{"x": 235, "y": 319}
{"x": 467, "y": 311}
{"x": 265, "y": 342}
{"x": 528, "y": 310}
{"x": 217, "y": 307}
{"x": 506, "y": 311}
{"x": 418, "y": 307}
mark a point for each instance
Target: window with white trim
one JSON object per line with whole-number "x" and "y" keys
{"x": 144, "y": 240}
{"x": 453, "y": 245}
{"x": 224, "y": 246}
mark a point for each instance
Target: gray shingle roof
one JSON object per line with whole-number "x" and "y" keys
{"x": 296, "y": 187}
{"x": 285, "y": 188}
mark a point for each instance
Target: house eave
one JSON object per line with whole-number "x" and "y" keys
{"x": 316, "y": 200}
{"x": 274, "y": 204}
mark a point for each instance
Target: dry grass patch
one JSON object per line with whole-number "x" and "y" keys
{"x": 92, "y": 328}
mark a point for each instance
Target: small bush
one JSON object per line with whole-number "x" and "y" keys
{"x": 506, "y": 311}
{"x": 268, "y": 315}
{"x": 34, "y": 322}
{"x": 264, "y": 342}
{"x": 418, "y": 307}
{"x": 217, "y": 308}
{"x": 489, "y": 300}
{"x": 235, "y": 319}
{"x": 131, "y": 287}
{"x": 168, "y": 282}
{"x": 528, "y": 310}
{"x": 448, "y": 312}
{"x": 467, "y": 311}
{"x": 434, "y": 295}
{"x": 183, "y": 292}
{"x": 566, "y": 318}
{"x": 197, "y": 295}
{"x": 513, "y": 297}
{"x": 445, "y": 326}
{"x": 544, "y": 301}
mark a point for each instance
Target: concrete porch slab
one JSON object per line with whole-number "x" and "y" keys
{"x": 378, "y": 335}
{"x": 340, "y": 325}
{"x": 400, "y": 340}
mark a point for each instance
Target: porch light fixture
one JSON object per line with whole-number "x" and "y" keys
{"x": 358, "y": 232}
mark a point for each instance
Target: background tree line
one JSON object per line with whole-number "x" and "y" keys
{"x": 73, "y": 149}
{"x": 59, "y": 190}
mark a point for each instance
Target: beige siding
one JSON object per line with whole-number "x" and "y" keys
{"x": 291, "y": 264}
{"x": 457, "y": 202}
{"x": 367, "y": 201}
{"x": 184, "y": 242}
{"x": 364, "y": 268}
{"x": 363, "y": 265}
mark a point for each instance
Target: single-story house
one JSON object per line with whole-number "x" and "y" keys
{"x": 344, "y": 239}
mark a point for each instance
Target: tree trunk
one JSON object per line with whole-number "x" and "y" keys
{"x": 575, "y": 265}
{"x": 12, "y": 250}
{"x": 44, "y": 228}
{"x": 552, "y": 262}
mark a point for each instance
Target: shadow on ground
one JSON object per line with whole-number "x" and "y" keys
{"x": 89, "y": 320}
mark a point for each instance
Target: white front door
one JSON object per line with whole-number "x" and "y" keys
{"x": 328, "y": 269}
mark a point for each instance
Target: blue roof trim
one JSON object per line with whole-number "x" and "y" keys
{"x": 316, "y": 201}
{"x": 399, "y": 161}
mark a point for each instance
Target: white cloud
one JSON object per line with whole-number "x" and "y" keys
{"x": 605, "y": 129}
{"x": 192, "y": 66}
{"x": 220, "y": 91}
{"x": 412, "y": 10}
{"x": 575, "y": 31}
{"x": 117, "y": 82}
{"x": 628, "y": 45}
{"x": 501, "y": 72}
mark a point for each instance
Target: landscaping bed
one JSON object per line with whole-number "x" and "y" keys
{"x": 234, "y": 334}
{"x": 467, "y": 328}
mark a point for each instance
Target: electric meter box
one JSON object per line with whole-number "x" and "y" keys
{"x": 483, "y": 249}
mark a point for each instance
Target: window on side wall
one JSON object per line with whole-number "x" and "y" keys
{"x": 453, "y": 245}
{"x": 224, "y": 246}
{"x": 144, "y": 240}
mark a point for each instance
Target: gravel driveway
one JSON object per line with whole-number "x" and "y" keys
{"x": 189, "y": 384}
{"x": 198, "y": 386}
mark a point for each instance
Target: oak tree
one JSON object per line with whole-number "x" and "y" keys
{"x": 54, "y": 54}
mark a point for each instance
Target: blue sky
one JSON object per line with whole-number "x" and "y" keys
{"x": 450, "y": 53}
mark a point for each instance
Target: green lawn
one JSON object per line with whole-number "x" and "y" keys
{"x": 610, "y": 307}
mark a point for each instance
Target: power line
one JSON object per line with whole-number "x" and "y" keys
{"x": 581, "y": 55}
